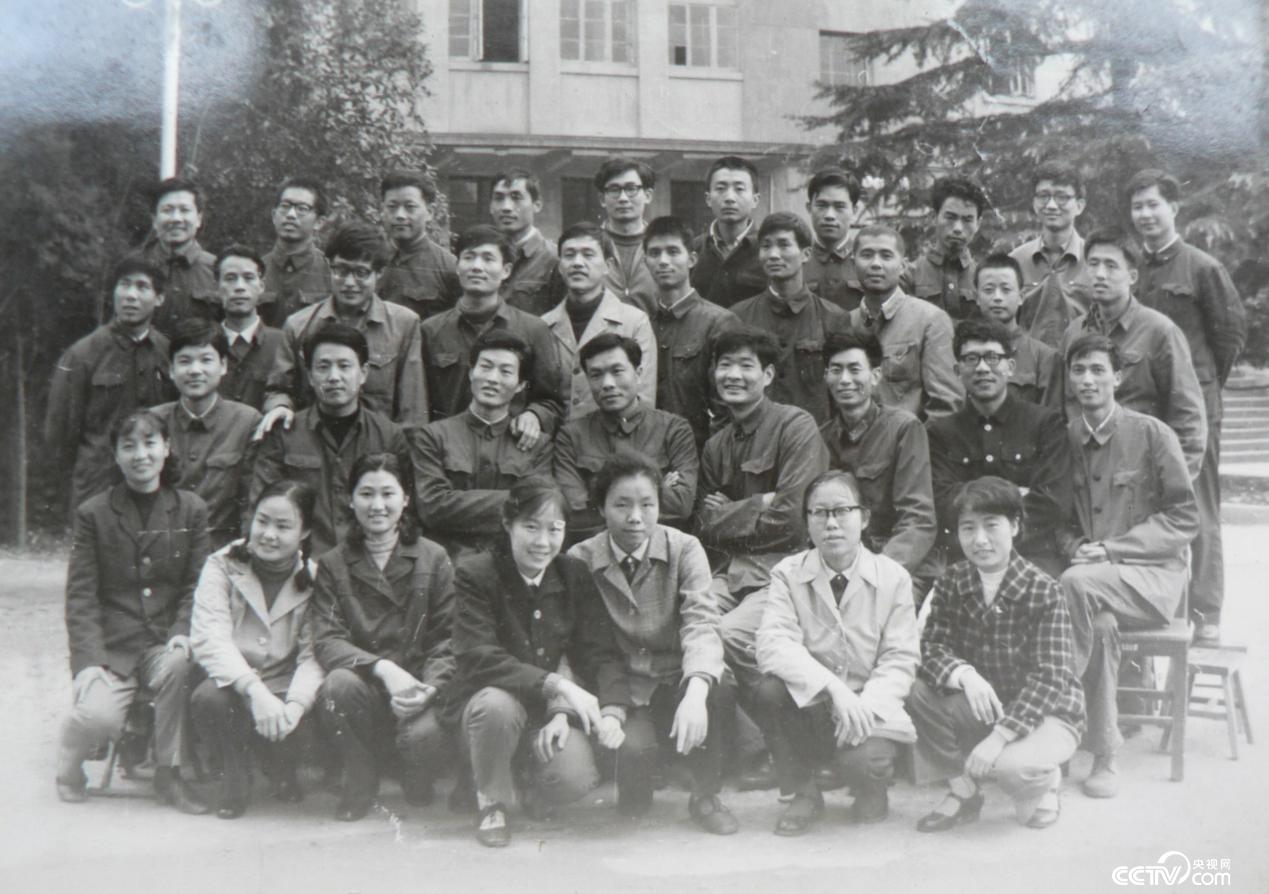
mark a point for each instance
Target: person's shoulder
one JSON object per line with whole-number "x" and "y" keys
{"x": 268, "y": 336}
{"x": 888, "y": 573}
{"x": 1026, "y": 250}
{"x": 399, "y": 313}
{"x": 188, "y": 501}
{"x": 746, "y": 307}
{"x": 299, "y": 320}
{"x": 91, "y": 344}
{"x": 669, "y": 421}
{"x": 1198, "y": 257}
{"x": 438, "y": 321}
{"x": 430, "y": 553}
{"x": 235, "y": 411}
{"x": 789, "y": 415}
{"x": 481, "y": 565}
{"x": 587, "y": 550}
{"x": 901, "y": 419}
{"x": 164, "y": 411}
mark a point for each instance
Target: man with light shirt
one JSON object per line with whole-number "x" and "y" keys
{"x": 253, "y": 346}
{"x": 534, "y": 284}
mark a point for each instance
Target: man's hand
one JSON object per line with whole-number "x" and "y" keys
{"x": 180, "y": 641}
{"x": 268, "y": 712}
{"x": 671, "y": 479}
{"x": 551, "y": 738}
{"x": 691, "y": 720}
{"x": 609, "y": 731}
{"x": 528, "y": 428}
{"x": 983, "y": 701}
{"x": 983, "y": 757}
{"x": 286, "y": 414}
{"x": 767, "y": 499}
{"x": 584, "y": 705}
{"x": 88, "y": 676}
{"x": 714, "y": 501}
{"x": 1090, "y": 554}
{"x": 852, "y": 721}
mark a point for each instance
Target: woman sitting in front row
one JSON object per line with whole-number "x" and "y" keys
{"x": 252, "y": 636}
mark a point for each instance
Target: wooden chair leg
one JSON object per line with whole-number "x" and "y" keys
{"x": 1242, "y": 705}
{"x": 1231, "y": 716}
{"x": 1177, "y": 684}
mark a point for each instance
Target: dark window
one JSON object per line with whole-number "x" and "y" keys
{"x": 468, "y": 202}
{"x": 502, "y": 31}
{"x": 687, "y": 203}
{"x": 580, "y": 201}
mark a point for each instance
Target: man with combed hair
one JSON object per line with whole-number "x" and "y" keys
{"x": 1037, "y": 368}
{"x": 944, "y": 274}
{"x": 188, "y": 269}
{"x": 296, "y": 273}
{"x": 421, "y": 274}
{"x": 253, "y": 345}
{"x": 831, "y": 197}
{"x": 534, "y": 284}
{"x": 727, "y": 268}
{"x": 625, "y": 189}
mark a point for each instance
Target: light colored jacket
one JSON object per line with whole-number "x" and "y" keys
{"x": 238, "y": 639}
{"x": 612, "y": 315}
{"x": 870, "y": 641}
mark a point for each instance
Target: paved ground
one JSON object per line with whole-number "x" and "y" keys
{"x": 132, "y": 846}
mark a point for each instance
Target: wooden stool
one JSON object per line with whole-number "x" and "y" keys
{"x": 1223, "y": 699}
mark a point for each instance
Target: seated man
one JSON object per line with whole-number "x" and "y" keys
{"x": 838, "y": 649}
{"x": 885, "y": 448}
{"x": 997, "y": 695}
{"x": 998, "y": 433}
{"x": 1136, "y": 511}
{"x": 613, "y": 365}
{"x": 654, "y": 582}
{"x": 326, "y": 439}
{"x": 1037, "y": 369}
{"x": 465, "y": 465}
{"x": 210, "y": 434}
{"x": 253, "y": 345}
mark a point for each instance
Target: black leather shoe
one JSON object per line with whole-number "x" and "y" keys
{"x": 760, "y": 778}
{"x": 967, "y": 810}
{"x": 800, "y": 815}
{"x": 497, "y": 835}
{"x": 872, "y": 803}
{"x": 349, "y": 810}
{"x": 231, "y": 809}
{"x": 712, "y": 815}
{"x": 74, "y": 791}
{"x": 1045, "y": 816}
{"x": 828, "y": 779}
{"x": 172, "y": 789}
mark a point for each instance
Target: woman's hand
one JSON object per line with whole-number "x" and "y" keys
{"x": 268, "y": 712}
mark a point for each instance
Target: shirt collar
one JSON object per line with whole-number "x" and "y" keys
{"x": 964, "y": 260}
{"x": 531, "y": 243}
{"x": 248, "y": 335}
{"x": 839, "y": 252}
{"x": 726, "y": 248}
{"x": 1166, "y": 252}
{"x": 1003, "y": 413}
{"x": 477, "y": 424}
{"x": 865, "y": 422}
{"x": 375, "y": 311}
{"x": 299, "y": 259}
{"x": 203, "y": 417}
{"x": 619, "y": 555}
{"x": 127, "y": 339}
{"x": 788, "y": 306}
{"x": 186, "y": 253}
{"x": 625, "y": 423}
{"x": 889, "y": 307}
{"x": 535, "y": 581}
{"x": 747, "y": 426}
{"x": 680, "y": 307}
{"x": 1102, "y": 433}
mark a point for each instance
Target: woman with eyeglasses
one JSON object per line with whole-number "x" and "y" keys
{"x": 838, "y": 649}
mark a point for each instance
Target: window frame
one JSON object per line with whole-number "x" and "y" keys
{"x": 475, "y": 34}
{"x": 827, "y": 73}
{"x": 714, "y": 45}
{"x": 608, "y": 24}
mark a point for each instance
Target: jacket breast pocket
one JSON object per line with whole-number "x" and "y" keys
{"x": 303, "y": 467}
{"x": 759, "y": 472}
{"x": 808, "y": 358}
{"x": 1127, "y": 485}
{"x": 1018, "y": 456}
{"x": 901, "y": 364}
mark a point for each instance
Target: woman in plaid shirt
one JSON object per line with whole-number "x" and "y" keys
{"x": 997, "y": 696}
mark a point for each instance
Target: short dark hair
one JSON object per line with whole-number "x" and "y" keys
{"x": 732, "y": 163}
{"x": 531, "y": 182}
{"x": 853, "y": 339}
{"x": 403, "y": 179}
{"x": 999, "y": 261}
{"x": 1169, "y": 186}
{"x": 312, "y": 184}
{"x": 176, "y": 184}
{"x": 142, "y": 421}
{"x": 138, "y": 263}
{"x": 304, "y": 499}
{"x": 958, "y": 188}
{"x": 668, "y": 226}
{"x": 531, "y": 495}
{"x": 878, "y": 229}
{"x": 408, "y": 530}
{"x": 1115, "y": 238}
{"x": 1093, "y": 343}
{"x": 622, "y": 464}
{"x": 980, "y": 329}
{"x": 335, "y": 334}
{"x": 826, "y": 177}
{"x": 238, "y": 250}
{"x": 1059, "y": 174}
{"x": 358, "y": 241}
{"x": 484, "y": 234}
{"x": 587, "y": 230}
{"x": 504, "y": 340}
{"x": 610, "y": 341}
{"x": 615, "y": 167}
{"x": 989, "y": 495}
{"x": 828, "y": 477}
{"x": 742, "y": 338}
{"x": 196, "y": 332}
{"x": 785, "y": 222}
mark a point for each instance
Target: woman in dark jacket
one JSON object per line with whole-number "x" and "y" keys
{"x": 137, "y": 552}
{"x": 381, "y": 626}
{"x": 520, "y": 610}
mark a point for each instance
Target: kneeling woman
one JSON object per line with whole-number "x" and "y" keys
{"x": 996, "y": 695}
{"x": 252, "y": 636}
{"x": 521, "y": 609}
{"x": 137, "y": 552}
{"x": 381, "y": 627}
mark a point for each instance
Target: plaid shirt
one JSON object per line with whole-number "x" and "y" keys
{"x": 1021, "y": 644}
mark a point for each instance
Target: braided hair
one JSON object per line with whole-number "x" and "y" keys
{"x": 304, "y": 499}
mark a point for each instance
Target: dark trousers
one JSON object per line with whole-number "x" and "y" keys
{"x": 801, "y": 739}
{"x": 222, "y": 719}
{"x": 1207, "y": 562}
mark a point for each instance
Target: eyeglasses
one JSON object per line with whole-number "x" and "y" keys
{"x": 616, "y": 189}
{"x": 836, "y": 513}
{"x": 361, "y": 274}
{"x": 1062, "y": 199}
{"x": 300, "y": 208}
{"x": 991, "y": 358}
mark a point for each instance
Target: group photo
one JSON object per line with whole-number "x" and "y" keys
{"x": 612, "y": 444}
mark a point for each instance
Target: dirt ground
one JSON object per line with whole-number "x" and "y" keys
{"x": 130, "y": 845}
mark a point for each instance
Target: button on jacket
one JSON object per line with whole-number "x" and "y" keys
{"x": 293, "y": 281}
{"x": 867, "y": 639}
{"x": 308, "y": 453}
{"x": 190, "y": 290}
{"x": 685, "y": 334}
{"x": 612, "y": 315}
{"x": 103, "y": 376}
{"x": 423, "y": 278}
{"x": 403, "y": 613}
{"x": 947, "y": 283}
{"x": 831, "y": 274}
{"x": 247, "y": 378}
{"x": 394, "y": 375}
{"x": 130, "y": 581}
{"x": 1053, "y": 293}
{"x": 239, "y": 638}
{"x": 727, "y": 279}
{"x": 534, "y": 285}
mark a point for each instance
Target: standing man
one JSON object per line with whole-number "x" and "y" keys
{"x": 1037, "y": 368}
{"x": 727, "y": 267}
{"x": 586, "y": 256}
{"x": 1194, "y": 290}
{"x": 1054, "y": 286}
{"x": 534, "y": 285}
{"x": 831, "y": 196}
{"x": 944, "y": 274}
{"x": 119, "y": 367}
{"x": 625, "y": 189}
{"x": 188, "y": 270}
{"x": 797, "y": 317}
{"x": 420, "y": 275}
{"x": 915, "y": 336}
{"x": 253, "y": 346}
{"x": 685, "y": 326}
{"x": 297, "y": 273}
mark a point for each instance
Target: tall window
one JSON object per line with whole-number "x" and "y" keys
{"x": 486, "y": 30}
{"x": 687, "y": 203}
{"x": 579, "y": 201}
{"x": 468, "y": 201}
{"x": 1013, "y": 73}
{"x": 597, "y": 31}
{"x": 703, "y": 35}
{"x": 840, "y": 65}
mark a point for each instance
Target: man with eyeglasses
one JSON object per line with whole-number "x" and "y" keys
{"x": 188, "y": 269}
{"x": 625, "y": 189}
{"x": 944, "y": 274}
{"x": 534, "y": 285}
{"x": 420, "y": 275}
{"x": 296, "y": 272}
{"x": 998, "y": 433}
{"x": 1037, "y": 369}
{"x": 394, "y": 384}
{"x": 727, "y": 268}
{"x": 1054, "y": 285}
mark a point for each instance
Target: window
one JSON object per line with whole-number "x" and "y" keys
{"x": 687, "y": 203}
{"x": 1011, "y": 74}
{"x": 486, "y": 30}
{"x": 840, "y": 65}
{"x": 579, "y": 201}
{"x": 468, "y": 202}
{"x": 597, "y": 31}
{"x": 703, "y": 35}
